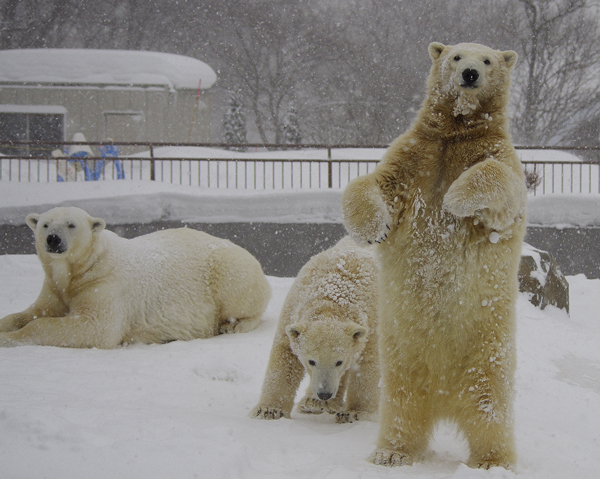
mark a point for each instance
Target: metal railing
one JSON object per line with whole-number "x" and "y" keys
{"x": 210, "y": 165}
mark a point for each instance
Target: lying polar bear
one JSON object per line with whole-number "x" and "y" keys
{"x": 101, "y": 290}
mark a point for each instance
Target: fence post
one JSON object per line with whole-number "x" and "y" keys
{"x": 152, "y": 165}
{"x": 329, "y": 168}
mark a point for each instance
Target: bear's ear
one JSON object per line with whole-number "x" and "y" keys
{"x": 356, "y": 331}
{"x": 435, "y": 50}
{"x": 97, "y": 224}
{"x": 32, "y": 220}
{"x": 510, "y": 58}
{"x": 295, "y": 330}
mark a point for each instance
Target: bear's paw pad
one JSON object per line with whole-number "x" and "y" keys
{"x": 268, "y": 413}
{"x": 390, "y": 458}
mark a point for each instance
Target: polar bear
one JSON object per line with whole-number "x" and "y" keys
{"x": 446, "y": 206}
{"x": 327, "y": 328}
{"x": 101, "y": 290}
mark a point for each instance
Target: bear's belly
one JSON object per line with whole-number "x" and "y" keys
{"x": 441, "y": 287}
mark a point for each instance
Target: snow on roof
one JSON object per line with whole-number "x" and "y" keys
{"x": 113, "y": 67}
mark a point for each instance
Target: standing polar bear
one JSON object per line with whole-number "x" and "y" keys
{"x": 447, "y": 205}
{"x": 327, "y": 328}
{"x": 101, "y": 290}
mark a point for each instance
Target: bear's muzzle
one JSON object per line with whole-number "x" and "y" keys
{"x": 54, "y": 244}
{"x": 470, "y": 77}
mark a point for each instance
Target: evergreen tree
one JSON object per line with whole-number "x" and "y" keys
{"x": 291, "y": 128}
{"x": 234, "y": 123}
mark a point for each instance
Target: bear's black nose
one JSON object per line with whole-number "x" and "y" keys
{"x": 470, "y": 76}
{"x": 53, "y": 244}
{"x": 324, "y": 396}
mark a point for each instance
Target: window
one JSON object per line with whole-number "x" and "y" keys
{"x": 30, "y": 126}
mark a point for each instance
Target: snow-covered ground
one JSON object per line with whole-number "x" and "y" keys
{"x": 180, "y": 410}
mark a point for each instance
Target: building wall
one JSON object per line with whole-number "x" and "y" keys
{"x": 136, "y": 114}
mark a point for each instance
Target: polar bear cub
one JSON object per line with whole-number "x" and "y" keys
{"x": 101, "y": 290}
{"x": 327, "y": 329}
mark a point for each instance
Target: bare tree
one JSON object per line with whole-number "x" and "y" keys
{"x": 556, "y": 77}
{"x": 36, "y": 23}
{"x": 355, "y": 69}
{"x": 265, "y": 50}
{"x": 373, "y": 92}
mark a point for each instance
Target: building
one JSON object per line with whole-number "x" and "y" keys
{"x": 137, "y": 96}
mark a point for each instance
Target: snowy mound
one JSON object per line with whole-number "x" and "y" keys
{"x": 564, "y": 210}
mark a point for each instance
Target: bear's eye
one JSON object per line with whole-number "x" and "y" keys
{"x": 487, "y": 62}
{"x": 312, "y": 362}
{"x": 339, "y": 363}
{"x": 45, "y": 225}
{"x": 71, "y": 225}
{"x": 457, "y": 58}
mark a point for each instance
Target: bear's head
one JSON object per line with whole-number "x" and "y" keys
{"x": 64, "y": 232}
{"x": 469, "y": 75}
{"x": 327, "y": 349}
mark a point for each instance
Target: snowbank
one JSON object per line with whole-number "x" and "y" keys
{"x": 130, "y": 201}
{"x": 564, "y": 210}
{"x": 126, "y": 202}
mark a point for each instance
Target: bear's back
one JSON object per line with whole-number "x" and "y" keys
{"x": 342, "y": 277}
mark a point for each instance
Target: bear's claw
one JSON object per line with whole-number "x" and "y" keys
{"x": 390, "y": 458}
{"x": 345, "y": 417}
{"x": 311, "y": 405}
{"x": 261, "y": 412}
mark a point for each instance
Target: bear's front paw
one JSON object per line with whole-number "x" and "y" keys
{"x": 6, "y": 341}
{"x": 366, "y": 215}
{"x": 269, "y": 413}
{"x": 311, "y": 405}
{"x": 344, "y": 417}
{"x": 459, "y": 204}
{"x": 390, "y": 458}
{"x": 375, "y": 230}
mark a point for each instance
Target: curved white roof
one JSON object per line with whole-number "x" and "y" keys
{"x": 113, "y": 67}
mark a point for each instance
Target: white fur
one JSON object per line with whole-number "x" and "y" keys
{"x": 455, "y": 191}
{"x": 104, "y": 290}
{"x": 327, "y": 329}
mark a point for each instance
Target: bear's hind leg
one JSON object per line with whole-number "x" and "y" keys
{"x": 491, "y": 443}
{"x": 485, "y": 417}
{"x": 406, "y": 427}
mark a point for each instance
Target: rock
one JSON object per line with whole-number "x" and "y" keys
{"x": 541, "y": 277}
